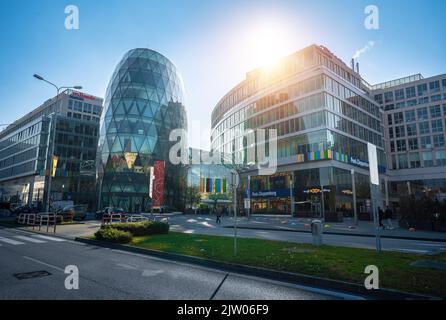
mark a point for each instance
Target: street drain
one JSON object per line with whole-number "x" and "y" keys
{"x": 30, "y": 275}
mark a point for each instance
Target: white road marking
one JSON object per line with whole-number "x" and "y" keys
{"x": 48, "y": 238}
{"x": 25, "y": 238}
{"x": 44, "y": 263}
{"x": 11, "y": 241}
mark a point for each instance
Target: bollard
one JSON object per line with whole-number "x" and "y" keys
{"x": 316, "y": 231}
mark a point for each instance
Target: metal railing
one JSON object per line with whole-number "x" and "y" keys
{"x": 34, "y": 220}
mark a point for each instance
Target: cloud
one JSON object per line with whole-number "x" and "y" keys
{"x": 366, "y": 48}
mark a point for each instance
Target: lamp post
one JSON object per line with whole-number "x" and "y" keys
{"x": 53, "y": 134}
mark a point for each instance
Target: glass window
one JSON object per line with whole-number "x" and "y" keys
{"x": 389, "y": 119}
{"x": 434, "y": 86}
{"x": 400, "y": 132}
{"x": 392, "y": 146}
{"x": 438, "y": 141}
{"x": 379, "y": 98}
{"x": 437, "y": 125}
{"x": 391, "y": 133}
{"x": 435, "y": 111}
{"x": 398, "y": 117}
{"x": 410, "y": 92}
{"x": 410, "y": 116}
{"x": 425, "y": 142}
{"x": 413, "y": 143}
{"x": 428, "y": 159}
{"x": 424, "y": 127}
{"x": 422, "y": 89}
{"x": 436, "y": 97}
{"x": 402, "y": 161}
{"x": 401, "y": 145}
{"x": 423, "y": 100}
{"x": 412, "y": 129}
{"x": 440, "y": 155}
{"x": 411, "y": 103}
{"x": 414, "y": 160}
{"x": 443, "y": 82}
{"x": 399, "y": 94}
{"x": 388, "y": 96}
{"x": 422, "y": 114}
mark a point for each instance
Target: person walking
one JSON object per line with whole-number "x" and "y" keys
{"x": 381, "y": 217}
{"x": 218, "y": 221}
{"x": 388, "y": 215}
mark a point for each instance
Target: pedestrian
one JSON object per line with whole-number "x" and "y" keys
{"x": 381, "y": 217}
{"x": 218, "y": 217}
{"x": 388, "y": 215}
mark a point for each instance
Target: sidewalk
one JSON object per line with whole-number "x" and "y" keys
{"x": 364, "y": 228}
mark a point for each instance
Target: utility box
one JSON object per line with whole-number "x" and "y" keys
{"x": 316, "y": 231}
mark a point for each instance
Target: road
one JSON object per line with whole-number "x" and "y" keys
{"x": 114, "y": 274}
{"x": 206, "y": 225}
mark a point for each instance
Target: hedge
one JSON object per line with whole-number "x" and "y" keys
{"x": 140, "y": 229}
{"x": 107, "y": 233}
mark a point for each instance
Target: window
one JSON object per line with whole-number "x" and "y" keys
{"x": 391, "y": 133}
{"x": 388, "y": 97}
{"x": 438, "y": 141}
{"x": 410, "y": 92}
{"x": 440, "y": 155}
{"x": 443, "y": 82}
{"x": 435, "y": 98}
{"x": 412, "y": 129}
{"x": 423, "y": 100}
{"x": 411, "y": 103}
{"x": 410, "y": 116}
{"x": 435, "y": 111}
{"x": 425, "y": 142}
{"x": 399, "y": 94}
{"x": 392, "y": 146}
{"x": 434, "y": 86}
{"x": 401, "y": 145}
{"x": 389, "y": 119}
{"x": 427, "y": 159}
{"x": 437, "y": 125}
{"x": 389, "y": 107}
{"x": 422, "y": 89}
{"x": 414, "y": 160}
{"x": 413, "y": 143}
{"x": 70, "y": 104}
{"x": 379, "y": 98}
{"x": 398, "y": 117}
{"x": 400, "y": 132}
{"x": 400, "y": 105}
{"x": 402, "y": 161}
{"x": 77, "y": 106}
{"x": 424, "y": 127}
{"x": 422, "y": 114}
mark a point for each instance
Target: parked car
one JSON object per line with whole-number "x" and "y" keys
{"x": 25, "y": 209}
{"x": 73, "y": 212}
{"x": 108, "y": 211}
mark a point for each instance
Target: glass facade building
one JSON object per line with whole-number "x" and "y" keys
{"x": 324, "y": 119}
{"x": 25, "y": 148}
{"x": 415, "y": 130}
{"x": 144, "y": 102}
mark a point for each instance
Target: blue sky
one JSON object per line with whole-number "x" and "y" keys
{"x": 213, "y": 43}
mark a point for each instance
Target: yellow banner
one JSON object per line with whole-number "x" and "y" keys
{"x": 55, "y": 160}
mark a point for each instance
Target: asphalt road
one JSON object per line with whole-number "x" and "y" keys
{"x": 114, "y": 274}
{"x": 206, "y": 225}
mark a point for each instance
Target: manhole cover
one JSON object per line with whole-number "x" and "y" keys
{"x": 30, "y": 275}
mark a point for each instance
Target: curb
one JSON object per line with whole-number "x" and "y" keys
{"x": 340, "y": 233}
{"x": 49, "y": 234}
{"x": 294, "y": 278}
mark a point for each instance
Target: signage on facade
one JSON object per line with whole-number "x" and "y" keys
{"x": 158, "y": 184}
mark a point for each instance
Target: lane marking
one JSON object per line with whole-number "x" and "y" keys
{"x": 44, "y": 263}
{"x": 25, "y": 238}
{"x": 11, "y": 241}
{"x": 219, "y": 286}
{"x": 48, "y": 238}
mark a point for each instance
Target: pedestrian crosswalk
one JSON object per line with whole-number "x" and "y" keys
{"x": 23, "y": 240}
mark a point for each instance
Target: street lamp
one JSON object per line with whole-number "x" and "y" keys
{"x": 53, "y": 130}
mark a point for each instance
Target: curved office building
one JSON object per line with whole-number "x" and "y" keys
{"x": 324, "y": 119}
{"x": 144, "y": 102}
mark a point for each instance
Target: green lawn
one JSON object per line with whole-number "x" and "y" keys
{"x": 338, "y": 263}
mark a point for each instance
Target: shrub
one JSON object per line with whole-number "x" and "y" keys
{"x": 113, "y": 235}
{"x": 140, "y": 229}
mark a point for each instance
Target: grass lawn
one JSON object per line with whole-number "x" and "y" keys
{"x": 331, "y": 262}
